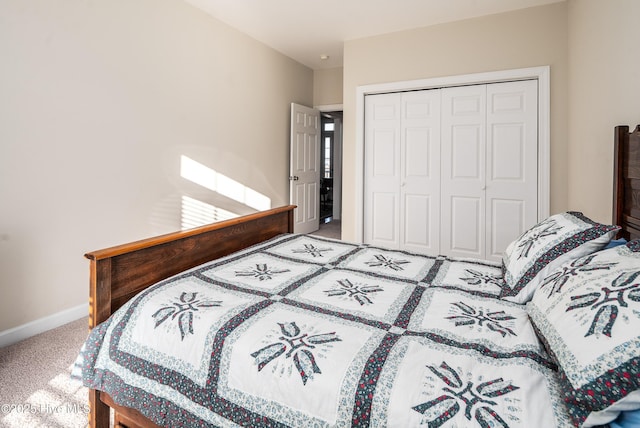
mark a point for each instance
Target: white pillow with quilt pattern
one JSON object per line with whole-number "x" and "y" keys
{"x": 547, "y": 245}
{"x": 587, "y": 313}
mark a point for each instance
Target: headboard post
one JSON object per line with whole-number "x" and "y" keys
{"x": 626, "y": 182}
{"x": 99, "y": 291}
{"x": 291, "y": 220}
{"x": 619, "y": 155}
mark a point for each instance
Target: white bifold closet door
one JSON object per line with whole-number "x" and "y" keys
{"x": 451, "y": 171}
{"x": 402, "y": 167}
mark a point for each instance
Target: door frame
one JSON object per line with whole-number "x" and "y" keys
{"x": 337, "y": 158}
{"x": 541, "y": 74}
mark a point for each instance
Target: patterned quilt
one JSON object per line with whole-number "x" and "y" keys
{"x": 310, "y": 332}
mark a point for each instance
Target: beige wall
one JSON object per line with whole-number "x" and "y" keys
{"x": 604, "y": 91}
{"x": 98, "y": 100}
{"x": 525, "y": 38}
{"x": 327, "y": 86}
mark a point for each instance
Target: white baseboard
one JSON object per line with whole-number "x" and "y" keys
{"x": 25, "y": 331}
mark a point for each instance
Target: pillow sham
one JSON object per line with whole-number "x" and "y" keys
{"x": 547, "y": 245}
{"x": 587, "y": 313}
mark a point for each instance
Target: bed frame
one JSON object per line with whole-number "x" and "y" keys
{"x": 626, "y": 182}
{"x": 119, "y": 273}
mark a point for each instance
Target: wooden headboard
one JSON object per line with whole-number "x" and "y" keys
{"x": 119, "y": 273}
{"x": 626, "y": 182}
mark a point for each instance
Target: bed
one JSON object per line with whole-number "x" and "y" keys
{"x": 244, "y": 323}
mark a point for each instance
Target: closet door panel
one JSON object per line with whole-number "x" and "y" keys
{"x": 507, "y": 148}
{"x": 384, "y": 230}
{"x": 417, "y": 216}
{"x": 417, "y": 234}
{"x": 382, "y": 170}
{"x": 420, "y": 171}
{"x": 507, "y": 220}
{"x": 465, "y": 234}
{"x": 418, "y": 147}
{"x": 512, "y": 156}
{"x": 463, "y": 148}
{"x": 384, "y": 150}
{"x": 466, "y": 150}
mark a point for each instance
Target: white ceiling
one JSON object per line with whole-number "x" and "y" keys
{"x": 305, "y": 29}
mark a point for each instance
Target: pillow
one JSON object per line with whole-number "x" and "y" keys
{"x": 547, "y": 245}
{"x": 615, "y": 243}
{"x": 587, "y": 313}
{"x": 627, "y": 420}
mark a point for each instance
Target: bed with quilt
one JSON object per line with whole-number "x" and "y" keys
{"x": 284, "y": 329}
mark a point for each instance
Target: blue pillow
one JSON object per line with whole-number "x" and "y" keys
{"x": 615, "y": 243}
{"x": 627, "y": 420}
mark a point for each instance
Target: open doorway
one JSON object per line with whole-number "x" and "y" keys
{"x": 331, "y": 174}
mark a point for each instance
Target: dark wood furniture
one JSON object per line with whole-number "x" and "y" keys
{"x": 119, "y": 273}
{"x": 626, "y": 182}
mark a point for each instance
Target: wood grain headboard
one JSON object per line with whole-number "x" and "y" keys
{"x": 119, "y": 273}
{"x": 626, "y": 182}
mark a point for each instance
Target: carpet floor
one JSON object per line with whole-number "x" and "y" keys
{"x": 36, "y": 389}
{"x": 333, "y": 229}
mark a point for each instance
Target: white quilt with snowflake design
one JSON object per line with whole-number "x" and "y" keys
{"x": 310, "y": 332}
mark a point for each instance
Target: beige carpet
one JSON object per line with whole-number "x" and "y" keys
{"x": 36, "y": 389}
{"x": 333, "y": 229}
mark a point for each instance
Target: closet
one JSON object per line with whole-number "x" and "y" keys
{"x": 453, "y": 170}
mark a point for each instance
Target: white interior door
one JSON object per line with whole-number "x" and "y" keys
{"x": 305, "y": 167}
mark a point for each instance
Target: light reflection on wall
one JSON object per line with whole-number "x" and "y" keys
{"x": 196, "y": 213}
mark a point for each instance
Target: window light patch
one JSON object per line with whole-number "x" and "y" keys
{"x": 197, "y": 213}
{"x": 220, "y": 183}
